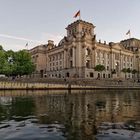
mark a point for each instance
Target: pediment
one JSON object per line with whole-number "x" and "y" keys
{"x": 117, "y": 47}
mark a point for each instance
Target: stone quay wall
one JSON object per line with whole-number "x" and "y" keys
{"x": 32, "y": 84}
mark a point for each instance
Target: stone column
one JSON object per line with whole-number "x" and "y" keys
{"x": 111, "y": 60}
{"x": 74, "y": 56}
{"x": 83, "y": 56}
{"x": 120, "y": 61}
{"x": 95, "y": 57}
{"x": 65, "y": 58}
{"x": 105, "y": 59}
{"x": 79, "y": 55}
{"x": 92, "y": 58}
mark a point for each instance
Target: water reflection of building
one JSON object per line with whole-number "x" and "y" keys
{"x": 82, "y": 113}
{"x": 52, "y": 107}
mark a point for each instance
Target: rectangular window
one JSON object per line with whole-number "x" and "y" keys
{"x": 70, "y": 64}
{"x": 117, "y": 56}
{"x": 108, "y": 62}
{"x": 103, "y": 55}
{"x": 124, "y": 58}
{"x": 91, "y": 74}
{"x": 87, "y": 63}
{"x": 60, "y": 56}
{"x": 108, "y": 56}
{"x": 103, "y": 62}
{"x": 107, "y": 67}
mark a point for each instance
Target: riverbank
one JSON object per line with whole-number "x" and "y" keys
{"x": 16, "y": 85}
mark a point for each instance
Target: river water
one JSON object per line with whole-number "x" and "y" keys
{"x": 70, "y": 115}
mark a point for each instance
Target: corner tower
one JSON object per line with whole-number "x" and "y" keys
{"x": 81, "y": 28}
{"x": 78, "y": 44}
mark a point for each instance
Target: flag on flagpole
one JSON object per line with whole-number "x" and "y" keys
{"x": 26, "y": 44}
{"x": 77, "y": 14}
{"x": 128, "y": 33}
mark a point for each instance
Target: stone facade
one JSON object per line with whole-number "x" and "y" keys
{"x": 79, "y": 52}
{"x": 38, "y": 55}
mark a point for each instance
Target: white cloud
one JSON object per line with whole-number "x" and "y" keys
{"x": 18, "y": 38}
{"x": 17, "y": 43}
{"x": 47, "y": 36}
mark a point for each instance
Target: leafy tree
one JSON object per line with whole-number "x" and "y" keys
{"x": 15, "y": 63}
{"x": 1, "y": 48}
{"x": 10, "y": 53}
{"x": 128, "y": 70}
{"x": 124, "y": 70}
{"x": 7, "y": 69}
{"x": 22, "y": 63}
{"x": 134, "y": 71}
{"x": 2, "y": 61}
{"x": 99, "y": 68}
{"x": 8, "y": 65}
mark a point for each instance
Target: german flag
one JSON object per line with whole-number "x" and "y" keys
{"x": 77, "y": 14}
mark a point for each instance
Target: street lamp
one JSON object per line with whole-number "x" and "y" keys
{"x": 10, "y": 60}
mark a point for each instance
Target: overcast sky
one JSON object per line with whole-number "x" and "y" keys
{"x": 36, "y": 21}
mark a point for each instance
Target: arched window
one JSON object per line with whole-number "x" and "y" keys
{"x": 87, "y": 63}
{"x": 117, "y": 66}
{"x": 98, "y": 75}
{"x": 87, "y": 51}
{"x": 71, "y": 65}
{"x": 104, "y": 75}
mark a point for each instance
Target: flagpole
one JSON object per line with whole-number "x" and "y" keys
{"x": 80, "y": 16}
{"x": 129, "y": 35}
{"x": 26, "y": 46}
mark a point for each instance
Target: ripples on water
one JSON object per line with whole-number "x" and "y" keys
{"x": 65, "y": 115}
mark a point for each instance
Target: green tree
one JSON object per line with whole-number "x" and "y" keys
{"x": 129, "y": 71}
{"x": 99, "y": 68}
{"x": 124, "y": 70}
{"x": 10, "y": 53}
{"x": 8, "y": 66}
{"x": 1, "y": 48}
{"x": 22, "y": 64}
{"x": 7, "y": 69}
{"x": 15, "y": 63}
{"x": 134, "y": 71}
{"x": 2, "y": 61}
